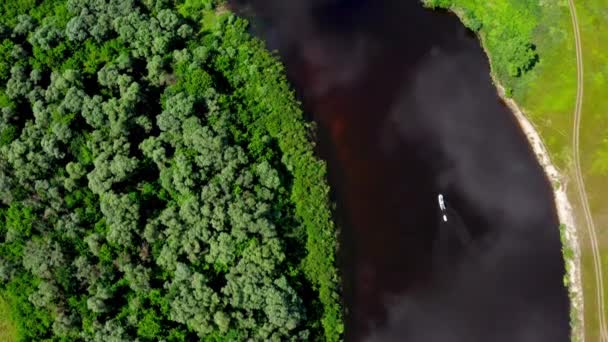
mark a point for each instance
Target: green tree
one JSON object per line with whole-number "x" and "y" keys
{"x": 155, "y": 184}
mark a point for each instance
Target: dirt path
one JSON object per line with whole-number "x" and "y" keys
{"x": 599, "y": 282}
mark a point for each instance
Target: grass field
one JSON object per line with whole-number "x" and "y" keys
{"x": 8, "y": 330}
{"x": 547, "y": 95}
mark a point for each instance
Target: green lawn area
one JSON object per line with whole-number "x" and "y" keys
{"x": 8, "y": 330}
{"x": 549, "y": 100}
{"x": 548, "y": 93}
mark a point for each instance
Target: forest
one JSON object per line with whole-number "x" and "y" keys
{"x": 157, "y": 179}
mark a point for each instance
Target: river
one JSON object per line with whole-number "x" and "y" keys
{"x": 406, "y": 110}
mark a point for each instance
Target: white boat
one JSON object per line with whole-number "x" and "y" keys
{"x": 442, "y": 207}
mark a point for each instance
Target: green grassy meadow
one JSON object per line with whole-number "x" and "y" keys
{"x": 8, "y": 330}
{"x": 548, "y": 98}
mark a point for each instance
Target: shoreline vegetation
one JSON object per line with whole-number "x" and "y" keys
{"x": 158, "y": 179}
{"x": 571, "y": 248}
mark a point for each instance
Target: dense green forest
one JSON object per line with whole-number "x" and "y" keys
{"x": 157, "y": 179}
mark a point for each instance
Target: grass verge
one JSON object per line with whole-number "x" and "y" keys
{"x": 8, "y": 329}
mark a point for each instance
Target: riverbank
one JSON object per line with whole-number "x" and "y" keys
{"x": 568, "y": 233}
{"x": 571, "y": 247}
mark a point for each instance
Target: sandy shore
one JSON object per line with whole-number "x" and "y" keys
{"x": 564, "y": 211}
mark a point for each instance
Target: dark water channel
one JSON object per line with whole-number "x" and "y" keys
{"x": 406, "y": 110}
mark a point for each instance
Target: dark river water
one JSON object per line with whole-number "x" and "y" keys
{"x": 406, "y": 110}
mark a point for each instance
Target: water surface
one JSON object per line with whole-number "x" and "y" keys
{"x": 406, "y": 110}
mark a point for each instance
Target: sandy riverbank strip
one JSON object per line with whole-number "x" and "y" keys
{"x": 564, "y": 211}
